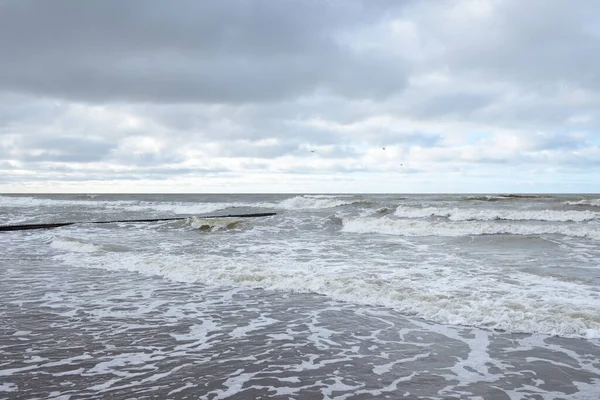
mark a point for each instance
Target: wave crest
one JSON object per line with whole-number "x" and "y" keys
{"x": 216, "y": 224}
{"x": 471, "y": 214}
{"x": 416, "y": 227}
{"x": 70, "y": 244}
{"x": 513, "y": 302}
{"x": 500, "y": 197}
{"x": 300, "y": 202}
{"x": 584, "y": 202}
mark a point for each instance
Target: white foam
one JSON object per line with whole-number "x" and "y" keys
{"x": 377, "y": 393}
{"x": 310, "y": 202}
{"x": 125, "y": 205}
{"x": 511, "y": 301}
{"x": 327, "y": 196}
{"x": 180, "y": 207}
{"x": 8, "y": 387}
{"x": 281, "y": 336}
{"x": 187, "y": 385}
{"x": 473, "y": 214}
{"x": 73, "y": 245}
{"x": 417, "y": 227}
{"x": 584, "y": 202}
{"x": 254, "y": 325}
{"x": 234, "y": 385}
{"x": 385, "y": 368}
{"x": 476, "y": 366}
{"x": 339, "y": 386}
{"x": 27, "y": 201}
{"x": 216, "y": 224}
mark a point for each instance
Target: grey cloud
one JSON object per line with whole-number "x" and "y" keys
{"x": 459, "y": 104}
{"x": 537, "y": 115}
{"x": 522, "y": 111}
{"x": 537, "y": 43}
{"x": 235, "y": 51}
{"x": 147, "y": 159}
{"x": 340, "y": 151}
{"x": 61, "y": 149}
{"x": 410, "y": 139}
{"x": 252, "y": 150}
{"x": 49, "y": 170}
{"x": 284, "y": 121}
{"x": 168, "y": 171}
{"x": 557, "y": 141}
{"x": 254, "y": 121}
{"x": 66, "y": 149}
{"x": 238, "y": 128}
{"x": 218, "y": 77}
{"x": 36, "y": 148}
{"x": 17, "y": 111}
{"x": 311, "y": 170}
{"x": 5, "y": 165}
{"x": 517, "y": 64}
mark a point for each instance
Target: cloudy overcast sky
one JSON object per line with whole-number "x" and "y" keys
{"x": 300, "y": 96}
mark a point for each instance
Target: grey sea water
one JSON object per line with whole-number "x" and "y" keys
{"x": 335, "y": 297}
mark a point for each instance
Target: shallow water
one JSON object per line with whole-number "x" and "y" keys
{"x": 343, "y": 297}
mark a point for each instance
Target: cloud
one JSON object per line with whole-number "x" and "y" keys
{"x": 208, "y": 51}
{"x": 535, "y": 42}
{"x": 65, "y": 149}
{"x": 299, "y": 94}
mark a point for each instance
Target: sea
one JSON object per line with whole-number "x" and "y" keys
{"x": 353, "y": 296}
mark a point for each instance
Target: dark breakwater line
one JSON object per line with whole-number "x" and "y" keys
{"x": 24, "y": 227}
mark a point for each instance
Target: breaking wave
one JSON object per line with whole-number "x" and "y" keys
{"x": 27, "y": 201}
{"x": 119, "y": 205}
{"x": 500, "y": 197}
{"x": 470, "y": 214}
{"x": 584, "y": 202}
{"x": 513, "y": 302}
{"x": 180, "y": 208}
{"x": 418, "y": 227}
{"x": 70, "y": 244}
{"x": 300, "y": 202}
{"x": 216, "y": 224}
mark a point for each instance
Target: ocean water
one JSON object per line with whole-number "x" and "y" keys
{"x": 335, "y": 297}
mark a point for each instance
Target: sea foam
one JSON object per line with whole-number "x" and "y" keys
{"x": 420, "y": 227}
{"x": 473, "y": 214}
{"x": 300, "y": 202}
{"x": 510, "y": 301}
{"x": 70, "y": 244}
{"x": 584, "y": 202}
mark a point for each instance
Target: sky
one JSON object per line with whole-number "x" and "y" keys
{"x": 299, "y": 96}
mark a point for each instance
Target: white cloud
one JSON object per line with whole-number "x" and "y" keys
{"x": 464, "y": 95}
